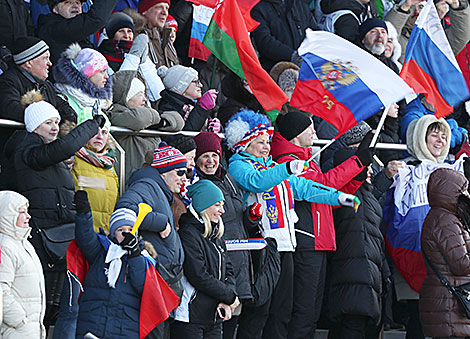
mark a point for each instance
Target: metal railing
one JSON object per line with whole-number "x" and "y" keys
{"x": 115, "y": 130}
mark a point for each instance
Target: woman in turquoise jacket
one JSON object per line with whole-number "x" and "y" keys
{"x": 275, "y": 187}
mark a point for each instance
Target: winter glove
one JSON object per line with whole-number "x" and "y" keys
{"x": 256, "y": 211}
{"x": 363, "y": 175}
{"x": 207, "y": 101}
{"x": 100, "y": 119}
{"x": 295, "y": 58}
{"x": 140, "y": 47}
{"x": 349, "y": 200}
{"x": 213, "y": 125}
{"x": 130, "y": 243}
{"x": 82, "y": 206}
{"x": 364, "y": 152}
{"x": 297, "y": 166}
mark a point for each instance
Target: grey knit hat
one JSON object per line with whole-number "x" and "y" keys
{"x": 355, "y": 134}
{"x": 177, "y": 78}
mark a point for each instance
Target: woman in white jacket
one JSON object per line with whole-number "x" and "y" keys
{"x": 21, "y": 276}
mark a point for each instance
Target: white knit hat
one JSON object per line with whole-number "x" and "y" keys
{"x": 177, "y": 78}
{"x": 38, "y": 112}
{"x": 135, "y": 87}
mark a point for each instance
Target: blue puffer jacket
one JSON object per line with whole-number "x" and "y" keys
{"x": 415, "y": 110}
{"x": 108, "y": 312}
{"x": 146, "y": 185}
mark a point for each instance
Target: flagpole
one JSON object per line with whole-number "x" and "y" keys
{"x": 321, "y": 149}
{"x": 379, "y": 126}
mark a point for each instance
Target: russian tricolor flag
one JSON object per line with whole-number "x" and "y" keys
{"x": 342, "y": 83}
{"x": 202, "y": 15}
{"x": 430, "y": 66}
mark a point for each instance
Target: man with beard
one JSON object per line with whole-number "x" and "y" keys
{"x": 458, "y": 33}
{"x": 373, "y": 37}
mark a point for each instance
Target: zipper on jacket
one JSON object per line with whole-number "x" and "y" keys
{"x": 318, "y": 220}
{"x": 220, "y": 260}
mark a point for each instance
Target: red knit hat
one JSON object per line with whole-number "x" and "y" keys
{"x": 147, "y": 4}
{"x": 171, "y": 22}
{"x": 207, "y": 142}
{"x": 167, "y": 158}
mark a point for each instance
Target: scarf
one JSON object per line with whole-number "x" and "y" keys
{"x": 114, "y": 51}
{"x": 113, "y": 257}
{"x": 102, "y": 160}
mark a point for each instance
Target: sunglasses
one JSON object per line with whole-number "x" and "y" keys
{"x": 180, "y": 172}
{"x": 197, "y": 82}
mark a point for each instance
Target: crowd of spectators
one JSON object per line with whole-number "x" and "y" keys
{"x": 313, "y": 226}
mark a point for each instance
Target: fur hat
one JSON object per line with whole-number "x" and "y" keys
{"x": 37, "y": 110}
{"x": 355, "y": 134}
{"x": 244, "y": 127}
{"x": 167, "y": 158}
{"x": 88, "y": 61}
{"x": 207, "y": 142}
{"x": 145, "y": 5}
{"x": 26, "y": 48}
{"x": 285, "y": 74}
{"x": 117, "y": 21}
{"x": 177, "y": 78}
{"x": 204, "y": 193}
{"x": 172, "y": 23}
{"x": 370, "y": 23}
{"x": 292, "y": 124}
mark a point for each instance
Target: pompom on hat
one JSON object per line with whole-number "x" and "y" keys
{"x": 244, "y": 127}
{"x": 88, "y": 61}
{"x": 167, "y": 158}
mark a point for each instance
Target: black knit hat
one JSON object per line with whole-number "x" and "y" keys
{"x": 292, "y": 124}
{"x": 370, "y": 23}
{"x": 117, "y": 21}
{"x": 26, "y": 48}
{"x": 181, "y": 142}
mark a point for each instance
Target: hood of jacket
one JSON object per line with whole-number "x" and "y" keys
{"x": 280, "y": 145}
{"x": 66, "y": 73}
{"x": 416, "y": 139}
{"x": 330, "y": 6}
{"x": 444, "y": 188}
{"x": 10, "y": 203}
{"x": 121, "y": 85}
{"x": 152, "y": 174}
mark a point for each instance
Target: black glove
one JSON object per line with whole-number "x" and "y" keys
{"x": 130, "y": 243}
{"x": 364, "y": 152}
{"x": 100, "y": 119}
{"x": 362, "y": 176}
{"x": 82, "y": 206}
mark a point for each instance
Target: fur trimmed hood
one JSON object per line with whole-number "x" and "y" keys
{"x": 66, "y": 73}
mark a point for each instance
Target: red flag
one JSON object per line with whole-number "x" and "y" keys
{"x": 158, "y": 300}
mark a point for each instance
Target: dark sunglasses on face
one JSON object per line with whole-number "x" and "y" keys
{"x": 181, "y": 172}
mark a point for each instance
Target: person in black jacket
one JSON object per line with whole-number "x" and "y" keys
{"x": 236, "y": 217}
{"x": 358, "y": 269}
{"x": 373, "y": 37}
{"x": 15, "y": 21}
{"x": 36, "y": 158}
{"x": 209, "y": 293}
{"x": 183, "y": 94}
{"x": 281, "y": 29}
{"x": 67, "y": 24}
{"x": 31, "y": 57}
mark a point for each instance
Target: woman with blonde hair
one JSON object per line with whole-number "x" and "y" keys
{"x": 209, "y": 286}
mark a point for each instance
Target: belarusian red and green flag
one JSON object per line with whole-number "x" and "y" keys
{"x": 227, "y": 38}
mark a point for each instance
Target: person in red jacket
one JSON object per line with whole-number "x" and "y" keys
{"x": 315, "y": 231}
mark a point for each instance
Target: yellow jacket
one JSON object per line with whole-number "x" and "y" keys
{"x": 102, "y": 186}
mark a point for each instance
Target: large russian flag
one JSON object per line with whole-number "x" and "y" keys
{"x": 405, "y": 209}
{"x": 430, "y": 66}
{"x": 342, "y": 83}
{"x": 202, "y": 14}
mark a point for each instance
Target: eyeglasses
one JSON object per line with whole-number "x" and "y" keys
{"x": 197, "y": 82}
{"x": 180, "y": 172}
